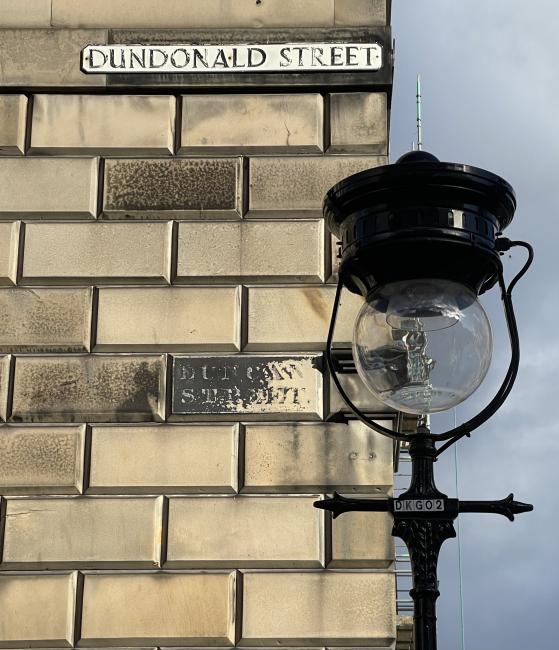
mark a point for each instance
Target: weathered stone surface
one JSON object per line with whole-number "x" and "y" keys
{"x": 315, "y": 608}
{"x": 169, "y": 319}
{"x": 297, "y": 318}
{"x": 297, "y": 185}
{"x": 9, "y": 250}
{"x": 247, "y": 386}
{"x": 47, "y": 57}
{"x": 82, "y": 532}
{"x": 45, "y": 320}
{"x": 362, "y": 539}
{"x": 77, "y": 253}
{"x": 13, "y": 109}
{"x": 358, "y": 123}
{"x": 35, "y": 460}
{"x": 108, "y": 124}
{"x": 252, "y": 532}
{"x": 359, "y": 394}
{"x": 168, "y": 609}
{"x": 37, "y": 610}
{"x": 31, "y": 13}
{"x": 252, "y": 123}
{"x": 5, "y": 362}
{"x": 195, "y": 188}
{"x": 181, "y": 458}
{"x": 311, "y": 457}
{"x": 192, "y": 14}
{"x": 349, "y": 13}
{"x": 95, "y": 389}
{"x": 48, "y": 187}
{"x": 251, "y": 251}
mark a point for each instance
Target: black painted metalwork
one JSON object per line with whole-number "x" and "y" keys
{"x": 423, "y": 519}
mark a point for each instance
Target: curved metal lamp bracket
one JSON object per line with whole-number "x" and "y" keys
{"x": 453, "y": 435}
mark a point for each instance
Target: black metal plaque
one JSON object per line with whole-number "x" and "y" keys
{"x": 247, "y": 384}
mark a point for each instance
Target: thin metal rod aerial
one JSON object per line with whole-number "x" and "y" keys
{"x": 418, "y": 114}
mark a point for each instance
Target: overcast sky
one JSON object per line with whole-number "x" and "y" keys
{"x": 490, "y": 77}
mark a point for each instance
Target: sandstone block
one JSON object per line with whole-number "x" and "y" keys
{"x": 5, "y": 363}
{"x": 46, "y": 57}
{"x": 169, "y": 609}
{"x": 350, "y": 13}
{"x": 311, "y": 457}
{"x": 251, "y": 251}
{"x": 297, "y": 318}
{"x": 96, "y": 389}
{"x": 31, "y": 13}
{"x": 359, "y": 394}
{"x": 192, "y": 14}
{"x": 185, "y": 458}
{"x": 296, "y": 185}
{"x": 316, "y": 608}
{"x": 35, "y": 460}
{"x": 37, "y": 610}
{"x": 252, "y": 124}
{"x": 362, "y": 539}
{"x": 103, "y": 124}
{"x": 45, "y": 320}
{"x": 13, "y": 109}
{"x": 246, "y": 386}
{"x": 9, "y": 251}
{"x": 169, "y": 319}
{"x": 358, "y": 123}
{"x": 78, "y": 253}
{"x": 87, "y": 532}
{"x": 196, "y": 188}
{"x": 252, "y": 532}
{"x": 48, "y": 187}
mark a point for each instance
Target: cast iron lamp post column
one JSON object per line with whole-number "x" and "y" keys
{"x": 421, "y": 240}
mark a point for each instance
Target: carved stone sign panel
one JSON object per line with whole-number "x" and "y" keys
{"x": 268, "y": 386}
{"x": 264, "y": 57}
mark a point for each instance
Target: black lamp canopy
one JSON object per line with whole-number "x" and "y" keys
{"x": 420, "y": 218}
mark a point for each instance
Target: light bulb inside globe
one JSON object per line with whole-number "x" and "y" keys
{"x": 422, "y": 346}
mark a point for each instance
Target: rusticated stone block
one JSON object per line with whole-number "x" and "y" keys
{"x": 252, "y": 532}
{"x": 47, "y": 57}
{"x": 95, "y": 389}
{"x": 45, "y": 320}
{"x": 359, "y": 394}
{"x": 37, "y": 610}
{"x": 108, "y": 124}
{"x": 5, "y": 362}
{"x": 296, "y": 185}
{"x": 252, "y": 123}
{"x": 311, "y": 457}
{"x": 358, "y": 123}
{"x": 248, "y": 387}
{"x": 152, "y": 459}
{"x": 35, "y": 460}
{"x": 48, "y": 187}
{"x": 297, "y": 318}
{"x": 9, "y": 251}
{"x": 350, "y": 13}
{"x": 168, "y": 609}
{"x": 318, "y": 608}
{"x": 13, "y": 109}
{"x": 78, "y": 253}
{"x": 32, "y": 13}
{"x": 362, "y": 539}
{"x": 82, "y": 532}
{"x": 169, "y": 319}
{"x": 192, "y": 14}
{"x": 250, "y": 251}
{"x": 195, "y": 188}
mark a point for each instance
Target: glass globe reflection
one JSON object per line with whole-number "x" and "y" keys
{"x": 422, "y": 346}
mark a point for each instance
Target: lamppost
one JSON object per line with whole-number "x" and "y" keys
{"x": 421, "y": 240}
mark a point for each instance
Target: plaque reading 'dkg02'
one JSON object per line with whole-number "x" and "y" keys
{"x": 260, "y": 387}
